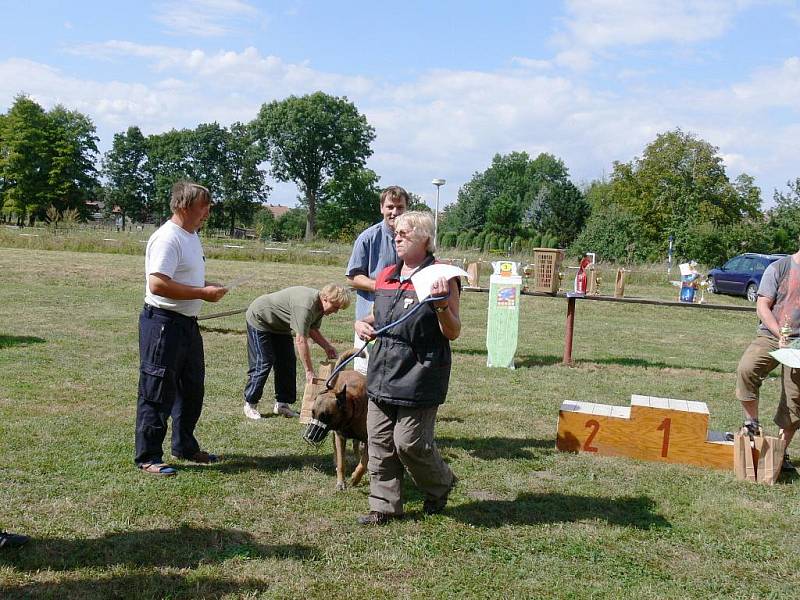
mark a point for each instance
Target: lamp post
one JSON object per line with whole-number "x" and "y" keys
{"x": 438, "y": 183}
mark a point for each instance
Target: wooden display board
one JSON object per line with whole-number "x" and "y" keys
{"x": 657, "y": 429}
{"x": 312, "y": 389}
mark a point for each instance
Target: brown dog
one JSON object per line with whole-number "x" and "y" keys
{"x": 343, "y": 409}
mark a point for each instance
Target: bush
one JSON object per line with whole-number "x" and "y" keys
{"x": 713, "y": 246}
{"x": 614, "y": 235}
{"x": 447, "y": 239}
{"x": 292, "y": 225}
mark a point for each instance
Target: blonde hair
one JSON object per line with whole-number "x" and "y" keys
{"x": 186, "y": 193}
{"x": 421, "y": 223}
{"x": 336, "y": 294}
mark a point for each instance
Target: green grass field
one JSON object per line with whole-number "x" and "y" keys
{"x": 525, "y": 521}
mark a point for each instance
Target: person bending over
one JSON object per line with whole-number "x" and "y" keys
{"x": 271, "y": 321}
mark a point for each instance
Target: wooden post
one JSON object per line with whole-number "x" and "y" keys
{"x": 570, "y": 325}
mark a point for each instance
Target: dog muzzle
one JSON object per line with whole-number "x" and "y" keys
{"x": 315, "y": 432}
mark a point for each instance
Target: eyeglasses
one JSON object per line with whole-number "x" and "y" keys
{"x": 403, "y": 233}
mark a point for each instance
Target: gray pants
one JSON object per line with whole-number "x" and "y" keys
{"x": 401, "y": 438}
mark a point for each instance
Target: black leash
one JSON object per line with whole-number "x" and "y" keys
{"x": 380, "y": 331}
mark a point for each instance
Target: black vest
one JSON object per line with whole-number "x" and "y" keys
{"x": 410, "y": 363}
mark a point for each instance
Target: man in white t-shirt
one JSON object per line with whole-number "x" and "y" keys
{"x": 172, "y": 363}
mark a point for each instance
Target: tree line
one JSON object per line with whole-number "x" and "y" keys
{"x": 678, "y": 187}
{"x": 49, "y": 160}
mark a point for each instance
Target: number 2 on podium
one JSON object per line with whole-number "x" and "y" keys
{"x": 595, "y": 427}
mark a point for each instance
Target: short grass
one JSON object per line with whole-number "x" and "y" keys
{"x": 525, "y": 521}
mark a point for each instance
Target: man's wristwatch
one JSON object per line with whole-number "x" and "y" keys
{"x": 440, "y": 309}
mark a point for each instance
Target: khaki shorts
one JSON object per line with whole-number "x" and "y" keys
{"x": 754, "y": 366}
{"x": 788, "y": 413}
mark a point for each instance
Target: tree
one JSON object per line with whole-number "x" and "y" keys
{"x": 613, "y": 234}
{"x": 167, "y": 161}
{"x": 226, "y": 162}
{"x": 516, "y": 195}
{"x": 244, "y": 185}
{"x": 679, "y": 181}
{"x": 130, "y": 182}
{"x": 310, "y": 140}
{"x": 292, "y": 224}
{"x": 561, "y": 211}
{"x": 784, "y": 218}
{"x": 506, "y": 177}
{"x": 504, "y": 216}
{"x": 348, "y": 204}
{"x": 265, "y": 224}
{"x": 46, "y": 159}
{"x": 415, "y": 202}
{"x": 72, "y": 179}
{"x": 25, "y": 159}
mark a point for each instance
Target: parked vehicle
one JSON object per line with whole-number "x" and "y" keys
{"x": 741, "y": 275}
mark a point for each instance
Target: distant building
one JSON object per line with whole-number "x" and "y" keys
{"x": 277, "y": 210}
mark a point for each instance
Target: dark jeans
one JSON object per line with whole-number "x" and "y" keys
{"x": 265, "y": 350}
{"x": 171, "y": 383}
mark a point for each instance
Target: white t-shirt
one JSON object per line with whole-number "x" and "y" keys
{"x": 178, "y": 254}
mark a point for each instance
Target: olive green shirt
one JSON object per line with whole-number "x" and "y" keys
{"x": 295, "y": 309}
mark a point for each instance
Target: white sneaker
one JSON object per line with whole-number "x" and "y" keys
{"x": 281, "y": 408}
{"x": 251, "y": 412}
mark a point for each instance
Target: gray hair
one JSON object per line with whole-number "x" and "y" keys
{"x": 186, "y": 193}
{"x": 421, "y": 223}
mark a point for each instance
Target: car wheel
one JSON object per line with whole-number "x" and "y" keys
{"x": 752, "y": 292}
{"x": 712, "y": 286}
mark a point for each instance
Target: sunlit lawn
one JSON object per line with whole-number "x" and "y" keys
{"x": 525, "y": 521}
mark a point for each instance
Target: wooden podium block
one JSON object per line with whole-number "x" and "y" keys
{"x": 651, "y": 428}
{"x": 312, "y": 389}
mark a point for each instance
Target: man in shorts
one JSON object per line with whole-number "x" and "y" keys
{"x": 778, "y": 310}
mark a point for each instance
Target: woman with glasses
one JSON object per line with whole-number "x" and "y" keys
{"x": 408, "y": 377}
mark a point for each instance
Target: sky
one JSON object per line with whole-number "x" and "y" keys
{"x": 446, "y": 84}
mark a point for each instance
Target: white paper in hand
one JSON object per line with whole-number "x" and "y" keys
{"x": 423, "y": 280}
{"x": 787, "y": 356}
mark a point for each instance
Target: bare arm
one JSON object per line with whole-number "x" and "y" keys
{"x": 362, "y": 282}
{"x": 304, "y": 352}
{"x": 764, "y": 311}
{"x": 449, "y": 320}
{"x": 161, "y": 285}
{"x": 321, "y": 340}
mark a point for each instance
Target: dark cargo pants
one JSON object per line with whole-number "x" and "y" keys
{"x": 171, "y": 383}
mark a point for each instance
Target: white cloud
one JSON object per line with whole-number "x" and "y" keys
{"x": 248, "y": 69}
{"x": 606, "y": 23}
{"x": 532, "y": 63}
{"x": 204, "y": 18}
{"x": 444, "y": 123}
